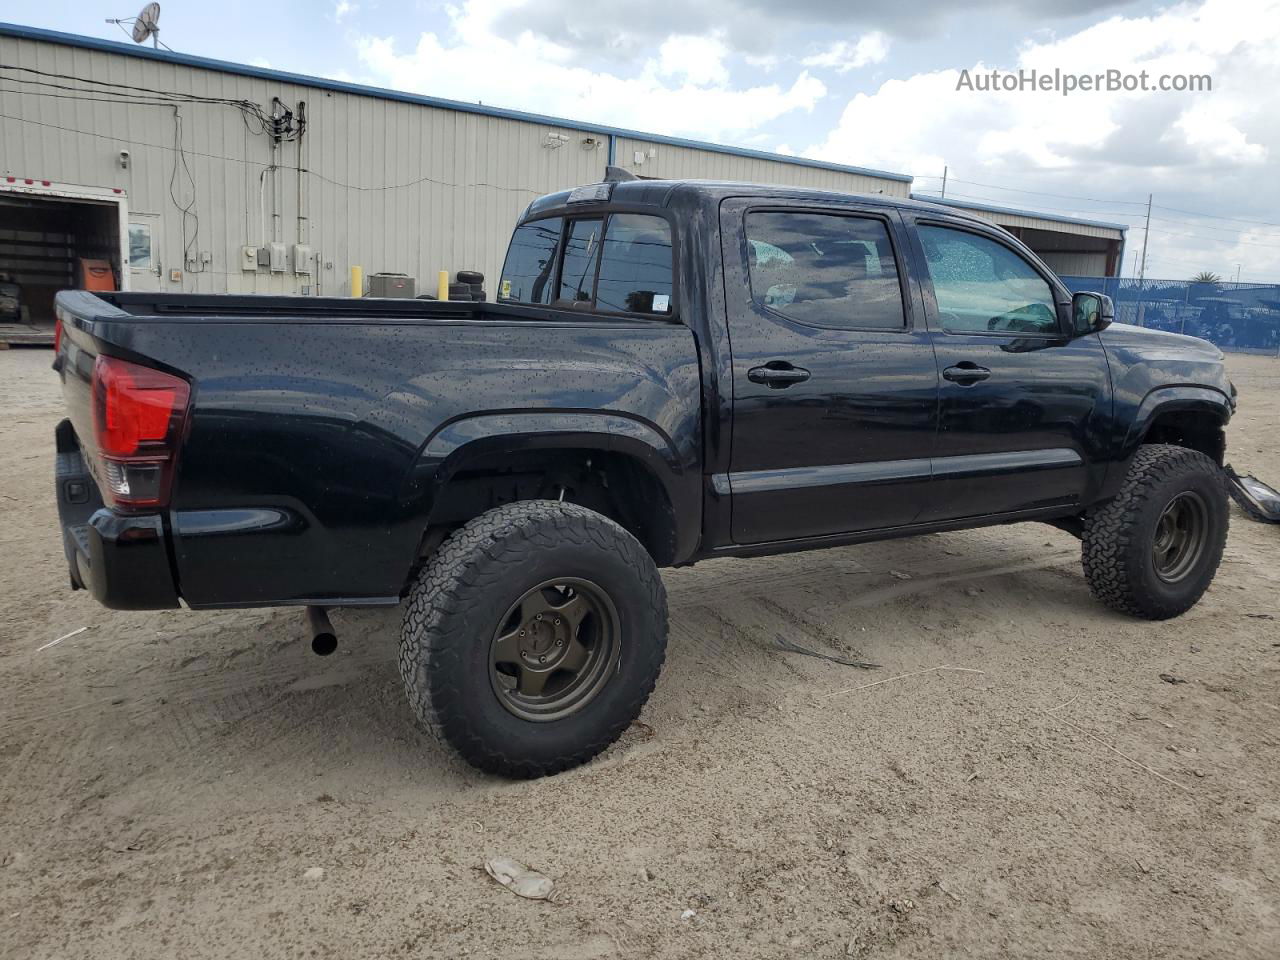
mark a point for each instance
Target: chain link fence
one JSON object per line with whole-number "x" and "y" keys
{"x": 1244, "y": 317}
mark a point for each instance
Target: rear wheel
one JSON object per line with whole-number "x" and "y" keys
{"x": 533, "y": 637}
{"x": 1153, "y": 550}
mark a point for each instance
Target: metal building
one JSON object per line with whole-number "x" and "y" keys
{"x": 143, "y": 169}
{"x": 200, "y": 175}
{"x": 1069, "y": 245}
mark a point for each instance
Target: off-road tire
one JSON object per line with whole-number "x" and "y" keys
{"x": 454, "y": 608}
{"x": 1117, "y": 552}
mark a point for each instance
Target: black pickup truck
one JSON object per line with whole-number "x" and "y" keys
{"x": 674, "y": 371}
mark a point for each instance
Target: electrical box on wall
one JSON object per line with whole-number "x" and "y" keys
{"x": 277, "y": 257}
{"x": 248, "y": 258}
{"x": 301, "y": 258}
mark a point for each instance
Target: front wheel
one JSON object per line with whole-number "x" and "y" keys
{"x": 1153, "y": 550}
{"x": 533, "y": 637}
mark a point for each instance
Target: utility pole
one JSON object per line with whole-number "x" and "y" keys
{"x": 1146, "y": 233}
{"x": 944, "y": 182}
{"x": 1238, "y": 273}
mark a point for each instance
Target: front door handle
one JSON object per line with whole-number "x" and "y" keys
{"x": 965, "y": 373}
{"x": 778, "y": 374}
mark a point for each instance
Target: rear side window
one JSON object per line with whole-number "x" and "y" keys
{"x": 635, "y": 265}
{"x": 531, "y": 262}
{"x": 581, "y": 250}
{"x": 827, "y": 270}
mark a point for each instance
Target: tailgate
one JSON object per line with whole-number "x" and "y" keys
{"x": 122, "y": 558}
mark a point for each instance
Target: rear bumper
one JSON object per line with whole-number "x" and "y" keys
{"x": 122, "y": 559}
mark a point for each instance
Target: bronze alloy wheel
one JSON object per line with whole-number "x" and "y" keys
{"x": 1181, "y": 534}
{"x": 555, "y": 649}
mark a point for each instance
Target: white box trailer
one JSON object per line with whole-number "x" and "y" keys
{"x": 46, "y": 229}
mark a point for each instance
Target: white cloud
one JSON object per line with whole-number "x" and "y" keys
{"x": 1216, "y": 152}
{"x": 843, "y": 56}
{"x": 342, "y": 8}
{"x": 684, "y": 88}
{"x": 764, "y": 61}
{"x": 699, "y": 60}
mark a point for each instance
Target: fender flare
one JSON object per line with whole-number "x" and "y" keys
{"x": 458, "y": 442}
{"x": 1162, "y": 400}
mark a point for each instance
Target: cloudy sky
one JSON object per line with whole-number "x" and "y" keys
{"x": 832, "y": 80}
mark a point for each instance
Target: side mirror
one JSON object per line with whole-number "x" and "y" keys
{"x": 1090, "y": 313}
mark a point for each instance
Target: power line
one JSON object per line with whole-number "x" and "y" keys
{"x": 1196, "y": 236}
{"x": 128, "y": 87}
{"x": 129, "y": 94}
{"x": 535, "y": 192}
{"x": 1235, "y": 231}
{"x": 1049, "y": 210}
{"x": 1039, "y": 193}
{"x": 1065, "y": 196}
{"x": 1210, "y": 216}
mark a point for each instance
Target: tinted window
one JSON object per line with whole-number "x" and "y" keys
{"x": 635, "y": 265}
{"x": 531, "y": 262}
{"x": 982, "y": 286}
{"x": 581, "y": 250}
{"x": 824, "y": 269}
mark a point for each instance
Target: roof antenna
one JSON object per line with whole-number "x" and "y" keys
{"x": 614, "y": 174}
{"x": 145, "y": 24}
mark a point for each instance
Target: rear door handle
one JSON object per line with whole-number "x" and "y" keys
{"x": 778, "y": 374}
{"x": 965, "y": 373}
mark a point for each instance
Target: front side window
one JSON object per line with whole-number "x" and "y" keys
{"x": 982, "y": 286}
{"x": 635, "y": 265}
{"x": 531, "y": 262}
{"x": 825, "y": 269}
{"x": 581, "y": 250}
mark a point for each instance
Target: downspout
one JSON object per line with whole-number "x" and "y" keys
{"x": 613, "y": 151}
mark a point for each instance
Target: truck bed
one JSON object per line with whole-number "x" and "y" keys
{"x": 311, "y": 460}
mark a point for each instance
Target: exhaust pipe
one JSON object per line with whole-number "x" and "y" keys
{"x": 323, "y": 638}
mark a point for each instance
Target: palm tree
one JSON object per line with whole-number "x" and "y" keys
{"x": 1206, "y": 276}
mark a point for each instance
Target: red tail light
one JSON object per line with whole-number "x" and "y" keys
{"x": 57, "y": 335}
{"x": 138, "y": 417}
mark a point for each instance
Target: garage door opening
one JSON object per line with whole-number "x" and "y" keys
{"x": 50, "y": 242}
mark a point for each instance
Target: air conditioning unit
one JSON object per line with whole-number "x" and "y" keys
{"x": 399, "y": 285}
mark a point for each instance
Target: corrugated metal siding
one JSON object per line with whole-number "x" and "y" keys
{"x": 391, "y": 186}
{"x": 1041, "y": 223}
{"x": 674, "y": 163}
{"x": 1076, "y": 264}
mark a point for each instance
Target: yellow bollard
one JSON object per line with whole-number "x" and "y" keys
{"x": 357, "y": 281}
{"x": 442, "y": 285}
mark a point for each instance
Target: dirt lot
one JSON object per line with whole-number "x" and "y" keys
{"x": 168, "y": 779}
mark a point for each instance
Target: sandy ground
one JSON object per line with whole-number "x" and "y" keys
{"x": 168, "y": 779}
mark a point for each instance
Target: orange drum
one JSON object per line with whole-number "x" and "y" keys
{"x": 96, "y": 275}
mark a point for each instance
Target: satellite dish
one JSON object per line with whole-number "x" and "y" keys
{"x": 147, "y": 23}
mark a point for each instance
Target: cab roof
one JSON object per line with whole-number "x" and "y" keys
{"x": 669, "y": 193}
